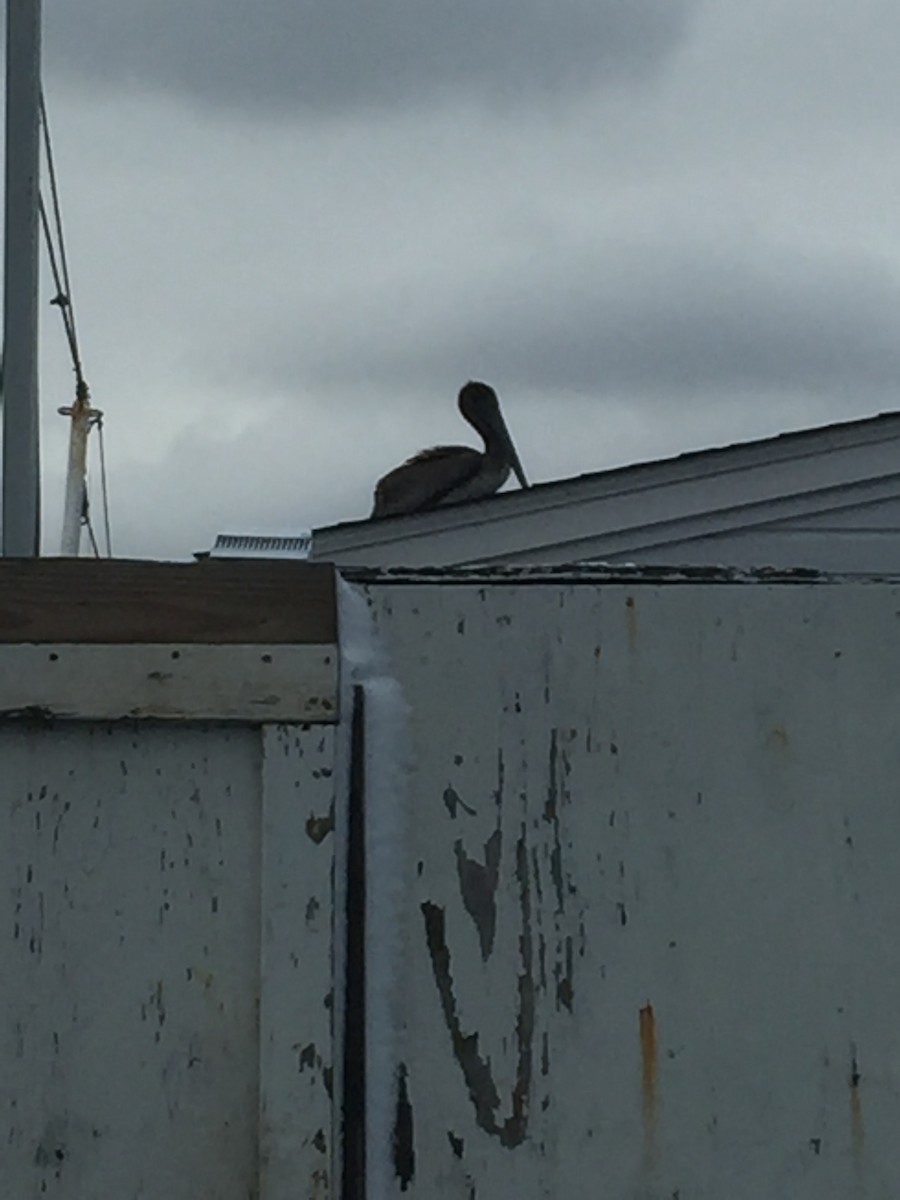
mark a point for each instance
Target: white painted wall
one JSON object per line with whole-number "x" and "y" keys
{"x": 651, "y": 947}
{"x": 166, "y": 973}
{"x": 648, "y": 911}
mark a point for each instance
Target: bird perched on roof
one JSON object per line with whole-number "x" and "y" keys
{"x": 451, "y": 474}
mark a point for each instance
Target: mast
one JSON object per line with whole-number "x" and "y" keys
{"x": 21, "y": 454}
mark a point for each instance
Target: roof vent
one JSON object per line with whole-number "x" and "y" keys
{"x": 254, "y": 545}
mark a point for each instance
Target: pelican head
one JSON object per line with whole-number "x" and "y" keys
{"x": 479, "y": 405}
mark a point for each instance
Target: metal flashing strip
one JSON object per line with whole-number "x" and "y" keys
{"x": 256, "y": 684}
{"x": 353, "y": 1124}
{"x": 599, "y": 574}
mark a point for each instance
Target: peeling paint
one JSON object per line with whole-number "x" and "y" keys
{"x": 551, "y": 816}
{"x": 565, "y": 989}
{"x": 453, "y": 801}
{"x": 404, "y": 1133}
{"x": 318, "y": 828}
{"x": 476, "y": 1069}
{"x": 478, "y": 887}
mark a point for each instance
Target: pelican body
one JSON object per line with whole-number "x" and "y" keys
{"x": 451, "y": 474}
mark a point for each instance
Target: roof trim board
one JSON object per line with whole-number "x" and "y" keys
{"x": 747, "y": 485}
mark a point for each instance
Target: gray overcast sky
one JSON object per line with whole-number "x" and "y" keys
{"x": 296, "y": 228}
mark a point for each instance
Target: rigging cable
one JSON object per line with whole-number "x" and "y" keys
{"x": 88, "y": 524}
{"x": 61, "y": 300}
{"x": 61, "y": 278}
{"x": 59, "y": 266}
{"x": 103, "y": 487}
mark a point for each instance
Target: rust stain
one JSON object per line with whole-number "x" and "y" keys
{"x": 649, "y": 1080}
{"x": 632, "y": 622}
{"x": 857, "y": 1128}
{"x": 318, "y": 1185}
{"x": 318, "y": 828}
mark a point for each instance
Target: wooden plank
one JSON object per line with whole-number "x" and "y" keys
{"x": 296, "y": 1037}
{"x": 255, "y": 684}
{"x": 215, "y": 601}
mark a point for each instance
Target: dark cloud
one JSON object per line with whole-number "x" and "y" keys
{"x": 327, "y": 55}
{"x": 647, "y": 321}
{"x": 274, "y": 309}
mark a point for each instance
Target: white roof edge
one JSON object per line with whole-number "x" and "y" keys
{"x": 693, "y": 468}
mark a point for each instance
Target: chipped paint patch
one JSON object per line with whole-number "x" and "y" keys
{"x": 404, "y": 1133}
{"x": 318, "y": 828}
{"x": 478, "y": 887}
{"x": 453, "y": 802}
{"x": 631, "y": 621}
{"x": 475, "y": 1067}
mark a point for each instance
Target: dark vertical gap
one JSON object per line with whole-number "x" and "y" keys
{"x": 353, "y": 1184}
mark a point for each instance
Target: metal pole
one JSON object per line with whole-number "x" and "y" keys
{"x": 21, "y": 452}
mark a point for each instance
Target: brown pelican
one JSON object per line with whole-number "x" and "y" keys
{"x": 450, "y": 474}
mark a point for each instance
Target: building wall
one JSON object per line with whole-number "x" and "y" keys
{"x": 167, "y": 830}
{"x": 166, "y": 968}
{"x": 650, "y": 928}
{"x": 642, "y": 923}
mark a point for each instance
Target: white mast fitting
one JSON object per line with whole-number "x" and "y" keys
{"x": 21, "y": 444}
{"x": 82, "y": 417}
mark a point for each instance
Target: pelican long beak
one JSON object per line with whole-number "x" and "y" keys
{"x": 517, "y": 466}
{"x": 497, "y": 439}
{"x": 513, "y": 455}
